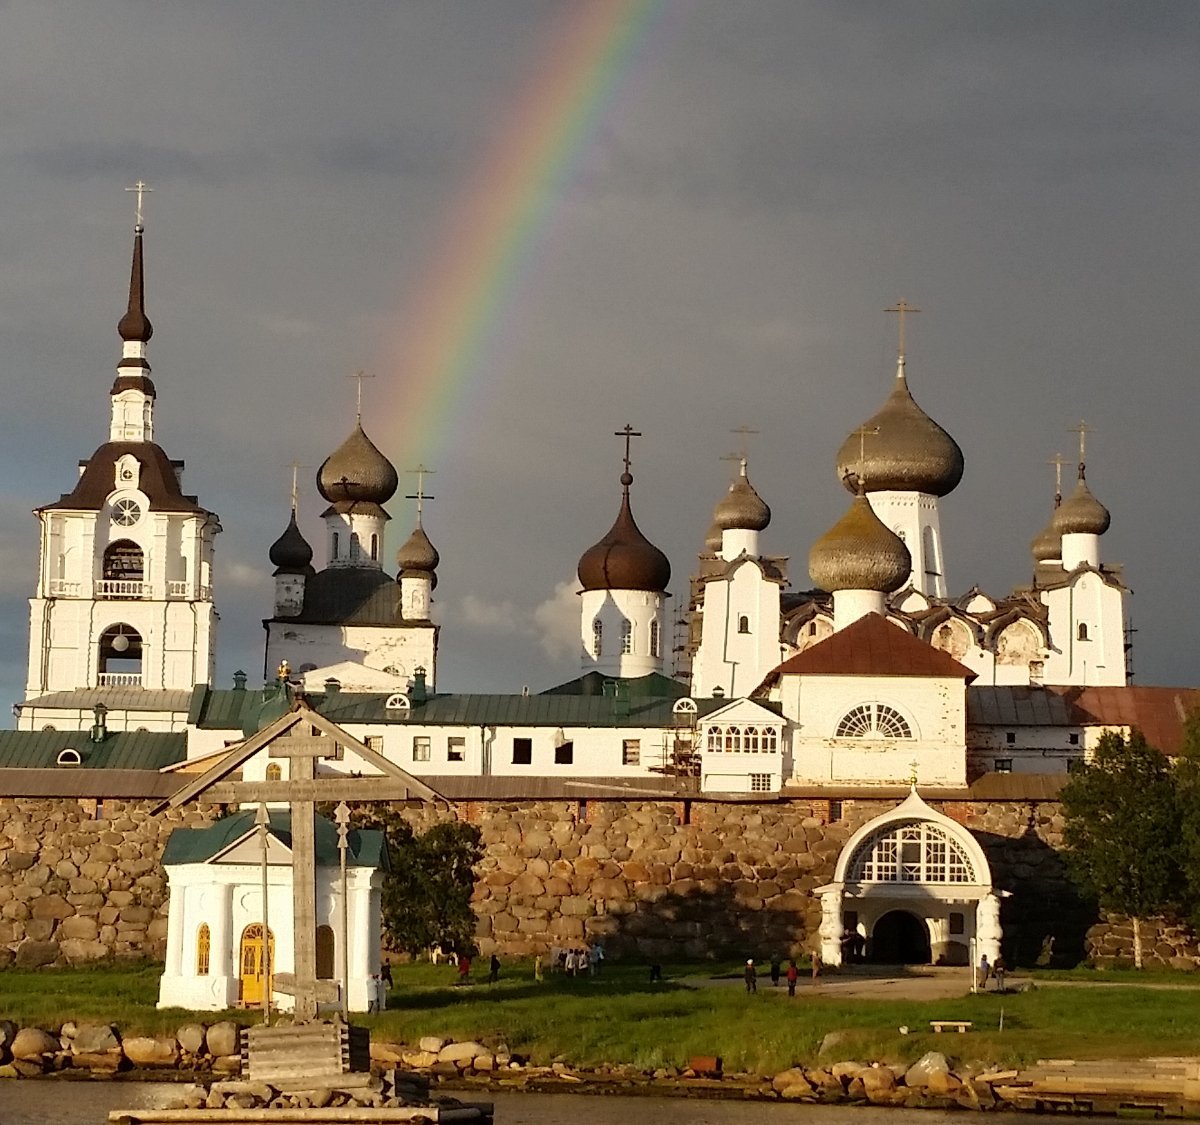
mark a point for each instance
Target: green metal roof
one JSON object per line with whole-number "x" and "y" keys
{"x": 593, "y": 683}
{"x": 120, "y": 750}
{"x": 367, "y": 846}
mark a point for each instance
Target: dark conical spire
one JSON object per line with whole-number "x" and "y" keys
{"x": 135, "y": 324}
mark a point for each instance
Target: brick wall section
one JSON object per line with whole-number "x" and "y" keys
{"x": 653, "y": 879}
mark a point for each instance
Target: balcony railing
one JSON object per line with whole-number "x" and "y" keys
{"x": 120, "y": 679}
{"x": 125, "y": 589}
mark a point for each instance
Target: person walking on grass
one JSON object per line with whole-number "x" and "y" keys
{"x": 815, "y": 958}
{"x": 537, "y": 968}
{"x": 985, "y": 971}
{"x": 793, "y": 974}
{"x": 998, "y": 970}
{"x": 751, "y": 976}
{"x": 493, "y": 969}
{"x": 776, "y": 970}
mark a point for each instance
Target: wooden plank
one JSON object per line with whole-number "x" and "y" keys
{"x": 327, "y": 787}
{"x": 333, "y": 1115}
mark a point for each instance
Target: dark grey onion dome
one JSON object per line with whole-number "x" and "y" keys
{"x": 290, "y": 553}
{"x": 860, "y": 553}
{"x": 418, "y": 555}
{"x": 712, "y": 538}
{"x": 910, "y": 453}
{"x": 742, "y": 508}
{"x": 1081, "y": 512}
{"x": 624, "y": 559}
{"x": 135, "y": 324}
{"x": 357, "y": 471}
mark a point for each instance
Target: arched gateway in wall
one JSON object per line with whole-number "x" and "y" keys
{"x": 911, "y": 886}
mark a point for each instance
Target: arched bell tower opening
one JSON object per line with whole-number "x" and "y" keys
{"x": 122, "y": 570}
{"x": 120, "y": 657}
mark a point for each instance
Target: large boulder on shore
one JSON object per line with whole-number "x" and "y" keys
{"x": 35, "y": 954}
{"x": 461, "y": 1054}
{"x": 929, "y": 1064}
{"x": 191, "y": 1038}
{"x": 148, "y": 1051}
{"x": 96, "y": 1039}
{"x": 33, "y": 1043}
{"x": 223, "y": 1039}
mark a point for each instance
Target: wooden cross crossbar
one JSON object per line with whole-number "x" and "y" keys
{"x": 323, "y": 991}
{"x": 306, "y": 748}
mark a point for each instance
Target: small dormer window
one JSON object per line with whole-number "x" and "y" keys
{"x": 398, "y": 703}
{"x": 129, "y": 471}
{"x": 69, "y": 757}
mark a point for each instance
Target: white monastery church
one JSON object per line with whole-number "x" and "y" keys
{"x": 874, "y": 678}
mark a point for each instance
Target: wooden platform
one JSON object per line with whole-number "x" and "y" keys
{"x": 350, "y": 1115}
{"x": 1168, "y": 1087}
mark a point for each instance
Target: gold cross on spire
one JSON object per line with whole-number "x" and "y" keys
{"x": 1058, "y": 461}
{"x": 863, "y": 433}
{"x": 902, "y": 307}
{"x": 627, "y": 433}
{"x": 1083, "y": 429}
{"x": 141, "y": 187}
{"x": 743, "y": 432}
{"x": 359, "y": 376}
{"x": 738, "y": 459}
{"x": 295, "y": 466}
{"x": 420, "y": 496}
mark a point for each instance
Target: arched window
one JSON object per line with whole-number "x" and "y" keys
{"x": 120, "y": 657}
{"x": 626, "y": 637}
{"x": 274, "y": 772}
{"x": 203, "y": 945}
{"x": 1083, "y": 631}
{"x": 914, "y": 852}
{"x": 713, "y": 738}
{"x": 336, "y": 543}
{"x": 932, "y": 566}
{"x": 874, "y": 720}
{"x": 770, "y": 740}
{"x": 122, "y": 570}
{"x": 597, "y": 637}
{"x": 324, "y": 953}
{"x": 733, "y": 738}
{"x": 654, "y": 638}
{"x": 750, "y": 740}
{"x": 743, "y": 624}
{"x": 374, "y": 547}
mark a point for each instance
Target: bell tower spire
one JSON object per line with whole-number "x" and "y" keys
{"x": 133, "y": 390}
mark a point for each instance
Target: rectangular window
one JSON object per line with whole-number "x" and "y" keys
{"x": 522, "y": 752}
{"x": 1003, "y": 765}
{"x": 835, "y": 811}
{"x": 456, "y": 749}
{"x": 1073, "y": 739}
{"x": 760, "y": 783}
{"x": 631, "y": 752}
{"x": 849, "y": 919}
{"x": 374, "y": 742}
{"x": 1010, "y": 738}
{"x": 956, "y": 923}
{"x": 420, "y": 748}
{"x": 564, "y": 755}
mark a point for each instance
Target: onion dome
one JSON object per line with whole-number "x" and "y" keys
{"x": 907, "y": 452}
{"x": 135, "y": 324}
{"x": 1047, "y": 544}
{"x": 624, "y": 559}
{"x": 357, "y": 471}
{"x": 1081, "y": 512}
{"x": 712, "y": 539}
{"x": 418, "y": 554}
{"x": 860, "y": 553}
{"x": 741, "y": 508}
{"x": 290, "y": 553}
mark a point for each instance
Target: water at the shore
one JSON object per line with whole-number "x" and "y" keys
{"x": 30, "y": 1102}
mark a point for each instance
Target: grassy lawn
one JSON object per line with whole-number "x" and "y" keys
{"x": 619, "y": 1017}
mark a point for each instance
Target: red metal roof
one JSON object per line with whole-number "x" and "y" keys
{"x": 1158, "y": 712}
{"x": 872, "y": 646}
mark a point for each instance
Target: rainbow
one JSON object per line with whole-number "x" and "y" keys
{"x": 488, "y": 247}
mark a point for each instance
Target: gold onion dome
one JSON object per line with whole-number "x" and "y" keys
{"x": 908, "y": 452}
{"x": 290, "y": 553}
{"x": 1081, "y": 512}
{"x": 859, "y": 553}
{"x": 417, "y": 554}
{"x": 624, "y": 559}
{"x": 741, "y": 508}
{"x": 712, "y": 538}
{"x": 357, "y": 471}
{"x": 1047, "y": 544}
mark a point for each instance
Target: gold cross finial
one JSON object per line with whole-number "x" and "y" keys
{"x": 1083, "y": 429}
{"x": 736, "y": 458}
{"x": 743, "y": 432}
{"x": 627, "y": 433}
{"x": 359, "y": 376}
{"x": 295, "y": 466}
{"x": 1058, "y": 461}
{"x": 902, "y": 307}
{"x": 141, "y": 187}
{"x": 863, "y": 433}
{"x": 912, "y": 772}
{"x": 420, "y": 496}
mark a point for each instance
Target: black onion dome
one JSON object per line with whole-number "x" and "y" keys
{"x": 741, "y": 508}
{"x": 860, "y": 553}
{"x": 1081, "y": 512}
{"x": 135, "y": 324}
{"x": 290, "y": 553}
{"x": 910, "y": 452}
{"x": 357, "y": 471}
{"x": 417, "y": 554}
{"x": 624, "y": 559}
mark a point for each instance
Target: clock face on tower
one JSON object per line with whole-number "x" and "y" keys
{"x": 126, "y": 512}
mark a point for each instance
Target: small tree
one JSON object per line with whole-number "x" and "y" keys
{"x": 427, "y": 895}
{"x": 1122, "y": 830}
{"x": 1187, "y": 793}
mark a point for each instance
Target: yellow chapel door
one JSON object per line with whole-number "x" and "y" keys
{"x": 253, "y": 963}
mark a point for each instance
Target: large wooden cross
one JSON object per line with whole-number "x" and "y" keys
{"x": 902, "y": 307}
{"x": 302, "y": 753}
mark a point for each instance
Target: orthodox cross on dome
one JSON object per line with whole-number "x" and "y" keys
{"x": 627, "y": 433}
{"x": 420, "y": 496}
{"x": 863, "y": 433}
{"x": 901, "y": 307}
{"x": 743, "y": 432}
{"x": 738, "y": 459}
{"x": 1058, "y": 461}
{"x": 359, "y": 376}
{"x": 295, "y": 466}
{"x": 141, "y": 187}
{"x": 1083, "y": 429}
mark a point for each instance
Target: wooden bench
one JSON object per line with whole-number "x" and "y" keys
{"x": 961, "y": 1026}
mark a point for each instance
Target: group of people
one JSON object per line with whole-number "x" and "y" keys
{"x": 994, "y": 970}
{"x": 791, "y": 974}
{"x": 573, "y": 960}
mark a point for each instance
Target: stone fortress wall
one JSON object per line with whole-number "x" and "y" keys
{"x": 81, "y": 881}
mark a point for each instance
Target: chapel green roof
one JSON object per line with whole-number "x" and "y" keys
{"x": 119, "y": 750}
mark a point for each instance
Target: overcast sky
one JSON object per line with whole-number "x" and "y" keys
{"x": 761, "y": 181}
